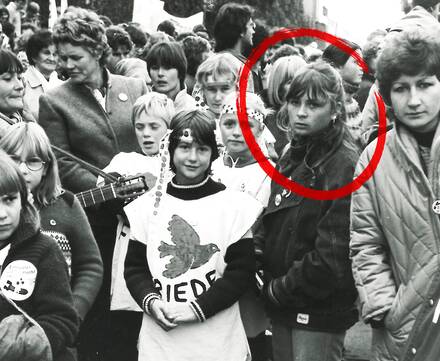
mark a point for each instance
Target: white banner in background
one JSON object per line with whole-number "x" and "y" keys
{"x": 150, "y": 13}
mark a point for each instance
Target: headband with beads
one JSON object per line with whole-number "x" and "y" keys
{"x": 255, "y": 114}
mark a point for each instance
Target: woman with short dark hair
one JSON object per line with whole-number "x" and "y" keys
{"x": 394, "y": 219}
{"x": 11, "y": 90}
{"x": 40, "y": 76}
{"x": 167, "y": 66}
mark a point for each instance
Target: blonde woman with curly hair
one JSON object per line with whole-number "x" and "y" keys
{"x": 89, "y": 117}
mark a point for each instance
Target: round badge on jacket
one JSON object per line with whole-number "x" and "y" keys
{"x": 436, "y": 206}
{"x": 17, "y": 281}
{"x": 123, "y": 97}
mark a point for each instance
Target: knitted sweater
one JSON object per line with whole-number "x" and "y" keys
{"x": 65, "y": 221}
{"x": 36, "y": 264}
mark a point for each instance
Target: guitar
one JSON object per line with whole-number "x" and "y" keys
{"x": 125, "y": 187}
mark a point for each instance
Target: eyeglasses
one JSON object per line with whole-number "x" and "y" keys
{"x": 33, "y": 163}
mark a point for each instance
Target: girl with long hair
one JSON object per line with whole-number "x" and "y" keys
{"x": 61, "y": 214}
{"x": 33, "y": 276}
{"x": 309, "y": 286}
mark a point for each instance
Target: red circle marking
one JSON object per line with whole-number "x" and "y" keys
{"x": 255, "y": 148}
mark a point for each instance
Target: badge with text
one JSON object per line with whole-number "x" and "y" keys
{"x": 17, "y": 281}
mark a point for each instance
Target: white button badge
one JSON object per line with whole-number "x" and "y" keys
{"x": 436, "y": 206}
{"x": 123, "y": 97}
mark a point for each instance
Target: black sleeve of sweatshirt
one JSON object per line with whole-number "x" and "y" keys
{"x": 238, "y": 277}
{"x": 137, "y": 273}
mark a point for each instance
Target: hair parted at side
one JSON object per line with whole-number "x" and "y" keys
{"x": 11, "y": 180}
{"x": 169, "y": 55}
{"x": 9, "y": 63}
{"x": 202, "y": 130}
{"x": 229, "y": 24}
{"x": 29, "y": 138}
{"x": 320, "y": 82}
{"x": 156, "y": 105}
{"x": 410, "y": 52}
{"x": 81, "y": 27}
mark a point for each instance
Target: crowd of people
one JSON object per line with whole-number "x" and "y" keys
{"x": 137, "y": 224}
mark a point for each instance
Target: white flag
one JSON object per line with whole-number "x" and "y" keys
{"x": 63, "y": 7}
{"x": 53, "y": 15}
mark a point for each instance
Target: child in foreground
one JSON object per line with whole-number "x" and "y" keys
{"x": 190, "y": 256}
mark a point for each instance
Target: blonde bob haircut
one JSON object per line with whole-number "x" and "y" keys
{"x": 220, "y": 65}
{"x": 29, "y": 138}
{"x": 155, "y": 105}
{"x": 282, "y": 71}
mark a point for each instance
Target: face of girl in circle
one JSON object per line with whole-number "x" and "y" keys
{"x": 79, "y": 63}
{"x": 216, "y": 90}
{"x": 165, "y": 80}
{"x": 32, "y": 177}
{"x": 11, "y": 93}
{"x": 10, "y": 208}
{"x": 149, "y": 131}
{"x": 232, "y": 135}
{"x": 307, "y": 116}
{"x": 191, "y": 160}
{"x": 415, "y": 101}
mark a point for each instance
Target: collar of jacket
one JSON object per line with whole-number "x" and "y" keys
{"x": 313, "y": 151}
{"x": 404, "y": 148}
{"x": 106, "y": 77}
{"x": 35, "y": 80}
{"x": 28, "y": 226}
{"x": 12, "y": 119}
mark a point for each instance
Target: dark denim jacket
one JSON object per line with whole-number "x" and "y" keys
{"x": 306, "y": 241}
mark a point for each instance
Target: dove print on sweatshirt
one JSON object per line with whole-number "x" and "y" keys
{"x": 192, "y": 247}
{"x": 187, "y": 253}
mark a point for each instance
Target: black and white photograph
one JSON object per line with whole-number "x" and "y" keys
{"x": 219, "y": 180}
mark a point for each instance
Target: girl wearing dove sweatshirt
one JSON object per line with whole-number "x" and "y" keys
{"x": 190, "y": 256}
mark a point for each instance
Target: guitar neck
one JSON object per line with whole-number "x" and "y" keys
{"x": 96, "y": 195}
